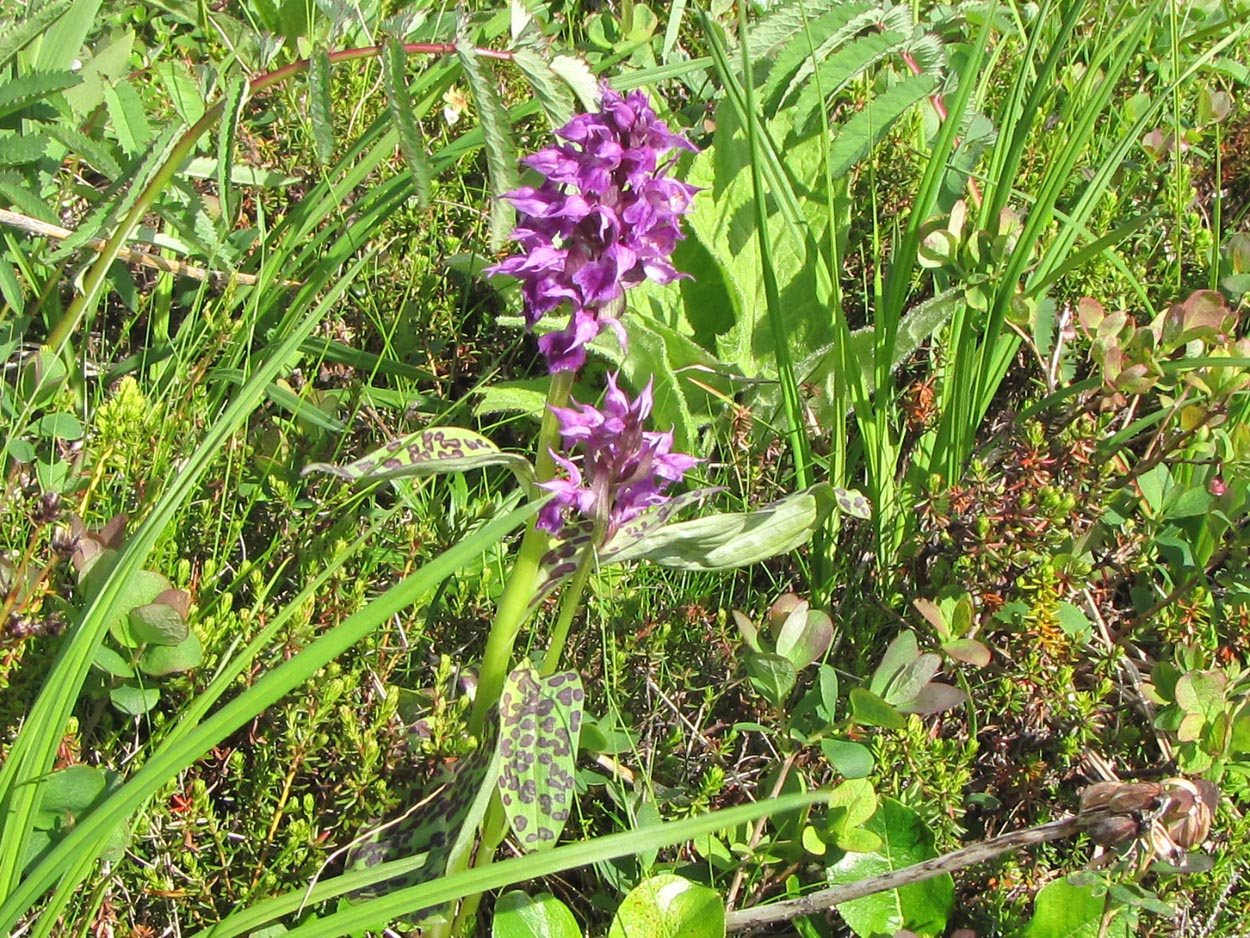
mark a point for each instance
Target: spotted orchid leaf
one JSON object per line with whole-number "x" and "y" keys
{"x": 430, "y": 826}
{"x": 428, "y": 452}
{"x": 540, "y": 719}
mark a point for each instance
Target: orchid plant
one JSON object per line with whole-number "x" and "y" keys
{"x": 605, "y": 217}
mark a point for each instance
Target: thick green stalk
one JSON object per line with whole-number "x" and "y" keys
{"x": 514, "y": 604}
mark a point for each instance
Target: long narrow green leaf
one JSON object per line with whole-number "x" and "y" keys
{"x": 501, "y": 158}
{"x": 376, "y": 912}
{"x": 411, "y": 140}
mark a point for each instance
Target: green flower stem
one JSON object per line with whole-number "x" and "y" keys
{"x": 569, "y": 604}
{"x": 514, "y": 604}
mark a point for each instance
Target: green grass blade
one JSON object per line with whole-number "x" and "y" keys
{"x": 375, "y": 912}
{"x": 17, "y": 35}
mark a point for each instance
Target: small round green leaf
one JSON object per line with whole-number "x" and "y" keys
{"x": 133, "y": 700}
{"x": 171, "y": 659}
{"x": 869, "y": 709}
{"x": 851, "y": 760}
{"x": 1066, "y": 910}
{"x": 542, "y": 916}
{"x": 157, "y": 624}
{"x": 668, "y": 906}
{"x": 921, "y": 907}
{"x": 60, "y": 427}
{"x": 72, "y": 790}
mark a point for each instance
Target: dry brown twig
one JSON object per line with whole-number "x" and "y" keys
{"x": 1163, "y": 820}
{"x": 43, "y": 229}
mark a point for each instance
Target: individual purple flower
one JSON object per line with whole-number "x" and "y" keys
{"x": 606, "y": 218}
{"x": 624, "y": 469}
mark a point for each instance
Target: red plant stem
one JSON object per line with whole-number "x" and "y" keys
{"x": 940, "y": 107}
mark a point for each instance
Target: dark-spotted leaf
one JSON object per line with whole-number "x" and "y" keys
{"x": 725, "y": 541}
{"x": 921, "y": 908}
{"x": 853, "y": 503}
{"x": 518, "y": 915}
{"x": 540, "y": 719}
{"x": 669, "y": 906}
{"x": 427, "y": 452}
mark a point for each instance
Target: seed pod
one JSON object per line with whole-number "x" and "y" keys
{"x": 1136, "y": 797}
{"x": 1190, "y": 809}
{"x": 1097, "y": 795}
{"x": 1113, "y": 831}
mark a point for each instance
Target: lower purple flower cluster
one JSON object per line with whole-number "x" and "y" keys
{"x": 626, "y": 468}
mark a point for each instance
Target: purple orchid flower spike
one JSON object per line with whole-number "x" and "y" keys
{"x": 624, "y": 470}
{"x": 606, "y": 218}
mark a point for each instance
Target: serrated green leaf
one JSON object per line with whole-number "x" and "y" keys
{"x": 98, "y": 153}
{"x": 501, "y": 158}
{"x": 130, "y": 123}
{"x": 527, "y": 397}
{"x": 577, "y": 74}
{"x": 27, "y": 148}
{"x": 16, "y": 35}
{"x": 25, "y": 90}
{"x": 866, "y": 128}
{"x": 553, "y": 95}
{"x": 227, "y": 134}
{"x": 183, "y": 89}
{"x": 782, "y": 46}
{"x": 428, "y": 452}
{"x": 922, "y": 908}
{"x": 411, "y": 140}
{"x": 540, "y": 719}
{"x": 121, "y": 196}
{"x": 320, "y": 110}
{"x": 838, "y": 70}
{"x": 726, "y": 541}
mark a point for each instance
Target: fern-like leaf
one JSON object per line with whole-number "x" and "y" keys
{"x": 782, "y": 64}
{"x": 35, "y": 86}
{"x": 501, "y": 157}
{"x": 16, "y": 35}
{"x": 319, "y": 105}
{"x": 866, "y": 128}
{"x": 841, "y": 68}
{"x": 411, "y": 140}
{"x": 20, "y": 151}
{"x": 98, "y": 153}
